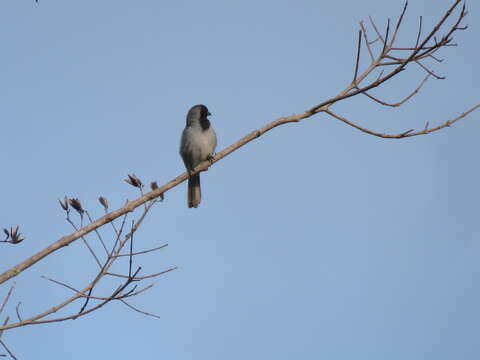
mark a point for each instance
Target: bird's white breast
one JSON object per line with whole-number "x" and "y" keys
{"x": 201, "y": 144}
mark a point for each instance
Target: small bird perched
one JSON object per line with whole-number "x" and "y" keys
{"x": 197, "y": 144}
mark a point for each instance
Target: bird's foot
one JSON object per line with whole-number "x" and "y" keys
{"x": 211, "y": 158}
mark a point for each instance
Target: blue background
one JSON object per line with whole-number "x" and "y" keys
{"x": 314, "y": 241}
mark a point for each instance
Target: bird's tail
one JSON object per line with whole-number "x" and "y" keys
{"x": 194, "y": 193}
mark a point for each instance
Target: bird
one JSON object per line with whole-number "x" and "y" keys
{"x": 197, "y": 144}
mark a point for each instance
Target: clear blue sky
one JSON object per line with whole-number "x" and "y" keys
{"x": 314, "y": 242}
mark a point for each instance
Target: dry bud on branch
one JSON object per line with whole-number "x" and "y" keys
{"x": 104, "y": 202}
{"x": 134, "y": 181}
{"x": 64, "y": 203}
{"x": 154, "y": 186}
{"x": 13, "y": 236}
{"x": 77, "y": 205}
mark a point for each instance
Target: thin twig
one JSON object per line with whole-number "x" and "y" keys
{"x": 145, "y": 276}
{"x": 98, "y": 234}
{"x": 143, "y": 252}
{"x": 17, "y": 310}
{"x": 430, "y": 72}
{"x": 435, "y": 58}
{"x": 119, "y": 234}
{"x": 85, "y": 241}
{"x": 399, "y": 22}
{"x": 367, "y": 43}
{"x": 419, "y": 32}
{"x": 7, "y": 350}
{"x": 131, "y": 251}
{"x": 5, "y": 300}
{"x": 426, "y": 48}
{"x": 407, "y": 133}
{"x": 5, "y": 322}
{"x": 359, "y": 46}
{"x": 385, "y": 46}
{"x": 138, "y": 310}
{"x": 372, "y": 23}
{"x": 62, "y": 284}
{"x": 135, "y": 293}
{"x": 404, "y": 100}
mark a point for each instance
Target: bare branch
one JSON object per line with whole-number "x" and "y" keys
{"x": 359, "y": 46}
{"x": 62, "y": 284}
{"x": 408, "y": 133}
{"x": 367, "y": 43}
{"x": 17, "y": 310}
{"x": 7, "y": 350}
{"x": 424, "y": 48}
{"x": 96, "y": 231}
{"x": 430, "y": 72}
{"x": 143, "y": 252}
{"x": 5, "y": 322}
{"x": 379, "y": 36}
{"x": 119, "y": 234}
{"x": 135, "y": 293}
{"x": 5, "y": 300}
{"x": 131, "y": 251}
{"x": 399, "y": 22}
{"x": 419, "y": 32}
{"x": 385, "y": 46}
{"x": 145, "y": 276}
{"x": 138, "y": 310}
{"x": 85, "y": 242}
{"x": 401, "y": 102}
{"x": 435, "y": 58}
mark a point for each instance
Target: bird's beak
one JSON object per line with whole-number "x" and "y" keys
{"x": 208, "y": 113}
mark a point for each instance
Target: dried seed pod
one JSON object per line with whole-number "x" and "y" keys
{"x": 104, "y": 202}
{"x": 64, "y": 203}
{"x": 13, "y": 231}
{"x": 14, "y": 235}
{"x": 76, "y": 204}
{"x": 154, "y": 186}
{"x": 17, "y": 239}
{"x": 134, "y": 181}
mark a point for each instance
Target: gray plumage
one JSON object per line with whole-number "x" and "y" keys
{"x": 197, "y": 144}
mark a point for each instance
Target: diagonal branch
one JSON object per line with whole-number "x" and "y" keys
{"x": 401, "y": 102}
{"x": 138, "y": 310}
{"x": 7, "y": 297}
{"x": 407, "y": 133}
{"x": 7, "y": 350}
{"x": 145, "y": 276}
{"x": 367, "y": 42}
{"x": 350, "y": 91}
{"x": 144, "y": 251}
